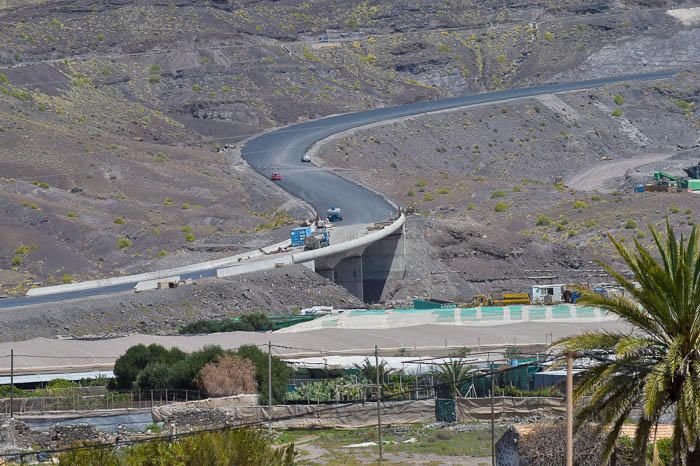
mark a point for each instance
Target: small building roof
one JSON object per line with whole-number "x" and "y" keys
{"x": 38, "y": 378}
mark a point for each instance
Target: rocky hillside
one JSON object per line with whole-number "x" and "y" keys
{"x": 489, "y": 214}
{"x": 112, "y": 112}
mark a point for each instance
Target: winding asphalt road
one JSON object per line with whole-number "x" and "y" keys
{"x": 281, "y": 150}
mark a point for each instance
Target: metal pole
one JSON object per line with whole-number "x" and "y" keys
{"x": 12, "y": 383}
{"x": 379, "y": 408}
{"x": 569, "y": 409}
{"x": 493, "y": 419}
{"x": 269, "y": 387}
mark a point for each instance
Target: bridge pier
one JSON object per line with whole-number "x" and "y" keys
{"x": 364, "y": 272}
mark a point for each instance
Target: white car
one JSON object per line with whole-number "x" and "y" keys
{"x": 306, "y": 158}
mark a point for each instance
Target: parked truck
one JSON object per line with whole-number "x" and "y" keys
{"x": 334, "y": 214}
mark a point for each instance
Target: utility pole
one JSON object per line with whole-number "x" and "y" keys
{"x": 493, "y": 418}
{"x": 269, "y": 387}
{"x": 569, "y": 409}
{"x": 379, "y": 406}
{"x": 12, "y": 383}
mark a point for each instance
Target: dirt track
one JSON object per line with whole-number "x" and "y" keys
{"x": 596, "y": 177}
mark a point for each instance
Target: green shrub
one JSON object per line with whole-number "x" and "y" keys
{"x": 674, "y": 209}
{"x": 471, "y": 206}
{"x": 618, "y": 99}
{"x": 422, "y": 183}
{"x": 617, "y": 113}
{"x": 226, "y": 89}
{"x": 500, "y": 207}
{"x": 120, "y": 221}
{"x": 162, "y": 253}
{"x": 496, "y": 194}
{"x": 136, "y": 358}
{"x": 684, "y": 104}
{"x": 23, "y": 249}
{"x": 427, "y": 197}
{"x": 410, "y": 193}
{"x": 16, "y": 261}
{"x": 72, "y": 215}
{"x": 444, "y": 48}
{"x": 186, "y": 229}
{"x": 123, "y": 242}
{"x": 579, "y": 204}
{"x": 159, "y": 157}
{"x": 155, "y": 69}
{"x": 630, "y": 224}
{"x": 595, "y": 198}
{"x": 309, "y": 55}
{"x": 543, "y": 221}
{"x": 186, "y": 205}
{"x": 443, "y": 191}
{"x": 252, "y": 322}
{"x": 100, "y": 37}
{"x": 548, "y": 35}
{"x": 168, "y": 202}
{"x": 41, "y": 184}
{"x": 517, "y": 189}
{"x": 241, "y": 446}
{"x": 196, "y": 87}
{"x": 190, "y": 237}
{"x": 67, "y": 278}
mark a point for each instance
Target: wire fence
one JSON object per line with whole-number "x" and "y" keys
{"x": 93, "y": 398}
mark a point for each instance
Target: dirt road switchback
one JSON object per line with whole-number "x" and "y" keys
{"x": 597, "y": 177}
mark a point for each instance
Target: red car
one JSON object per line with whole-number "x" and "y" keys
{"x": 275, "y": 176}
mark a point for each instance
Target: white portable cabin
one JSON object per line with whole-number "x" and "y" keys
{"x": 540, "y": 294}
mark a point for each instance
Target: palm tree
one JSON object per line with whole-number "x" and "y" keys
{"x": 452, "y": 373}
{"x": 656, "y": 367}
{"x": 368, "y": 371}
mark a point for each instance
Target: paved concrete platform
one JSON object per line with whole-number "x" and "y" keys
{"x": 42, "y": 355}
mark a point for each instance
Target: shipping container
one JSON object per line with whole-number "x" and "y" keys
{"x": 299, "y": 235}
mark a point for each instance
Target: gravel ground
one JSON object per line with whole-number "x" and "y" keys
{"x": 276, "y": 292}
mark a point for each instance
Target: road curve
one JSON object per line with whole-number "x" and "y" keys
{"x": 596, "y": 177}
{"x": 281, "y": 150}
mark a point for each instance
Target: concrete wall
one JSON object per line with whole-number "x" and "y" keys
{"x": 382, "y": 261}
{"x": 348, "y": 273}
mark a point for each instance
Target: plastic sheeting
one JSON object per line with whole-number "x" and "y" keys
{"x": 505, "y": 407}
{"x": 340, "y": 416}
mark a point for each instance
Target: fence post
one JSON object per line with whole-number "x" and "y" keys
{"x": 12, "y": 383}
{"x": 379, "y": 406}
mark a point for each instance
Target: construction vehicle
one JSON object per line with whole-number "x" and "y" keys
{"x": 334, "y": 214}
{"x": 668, "y": 183}
{"x": 501, "y": 299}
{"x": 320, "y": 239}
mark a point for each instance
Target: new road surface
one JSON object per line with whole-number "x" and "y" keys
{"x": 281, "y": 150}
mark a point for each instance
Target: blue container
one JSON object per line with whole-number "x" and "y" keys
{"x": 639, "y": 188}
{"x": 298, "y": 235}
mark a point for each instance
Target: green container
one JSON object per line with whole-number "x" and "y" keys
{"x": 445, "y": 410}
{"x": 433, "y": 304}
